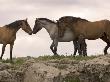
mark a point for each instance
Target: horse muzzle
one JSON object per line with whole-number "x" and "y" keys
{"x": 30, "y": 33}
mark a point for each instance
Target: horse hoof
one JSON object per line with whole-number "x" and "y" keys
{"x": 105, "y": 53}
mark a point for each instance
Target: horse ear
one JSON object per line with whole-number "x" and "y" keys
{"x": 36, "y": 18}
{"x": 26, "y": 19}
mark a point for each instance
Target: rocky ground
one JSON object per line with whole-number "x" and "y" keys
{"x": 55, "y": 69}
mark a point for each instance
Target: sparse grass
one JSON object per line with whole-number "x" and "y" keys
{"x": 17, "y": 61}
{"x": 5, "y": 60}
{"x": 48, "y": 57}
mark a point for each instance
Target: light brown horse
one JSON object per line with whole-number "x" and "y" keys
{"x": 8, "y": 34}
{"x": 90, "y": 30}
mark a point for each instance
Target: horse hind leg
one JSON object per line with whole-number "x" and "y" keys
{"x": 105, "y": 39}
{"x": 3, "y": 50}
{"x": 106, "y": 48}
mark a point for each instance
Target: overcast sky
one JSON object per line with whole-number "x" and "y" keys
{"x": 36, "y": 45}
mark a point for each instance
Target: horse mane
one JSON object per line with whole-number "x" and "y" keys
{"x": 72, "y": 19}
{"x": 47, "y": 20}
{"x": 14, "y": 24}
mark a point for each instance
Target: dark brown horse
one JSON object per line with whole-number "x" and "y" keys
{"x": 8, "y": 34}
{"x": 90, "y": 30}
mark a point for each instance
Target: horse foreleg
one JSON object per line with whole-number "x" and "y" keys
{"x": 84, "y": 48}
{"x": 79, "y": 49}
{"x": 55, "y": 42}
{"x": 75, "y": 46}
{"x": 55, "y": 50}
{"x": 3, "y": 50}
{"x": 11, "y": 49}
{"x": 52, "y": 46}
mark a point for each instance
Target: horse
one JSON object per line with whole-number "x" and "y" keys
{"x": 90, "y": 30}
{"x": 52, "y": 29}
{"x": 8, "y": 34}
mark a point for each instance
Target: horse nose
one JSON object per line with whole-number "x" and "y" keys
{"x": 30, "y": 33}
{"x": 33, "y": 32}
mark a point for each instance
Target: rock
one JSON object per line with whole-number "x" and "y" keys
{"x": 63, "y": 70}
{"x": 5, "y": 76}
{"x": 40, "y": 72}
{"x": 4, "y": 66}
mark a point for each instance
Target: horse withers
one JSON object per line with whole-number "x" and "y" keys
{"x": 8, "y": 34}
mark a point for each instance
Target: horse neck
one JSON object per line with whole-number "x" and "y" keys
{"x": 51, "y": 29}
{"x": 14, "y": 30}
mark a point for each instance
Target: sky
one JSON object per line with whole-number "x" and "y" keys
{"x": 39, "y": 44}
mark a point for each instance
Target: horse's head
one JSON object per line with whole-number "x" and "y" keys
{"x": 38, "y": 26}
{"x": 26, "y": 27}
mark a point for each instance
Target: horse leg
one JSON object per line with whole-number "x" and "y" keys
{"x": 106, "y": 48}
{"x": 55, "y": 47}
{"x": 52, "y": 46}
{"x": 82, "y": 46}
{"x": 105, "y": 39}
{"x": 3, "y": 49}
{"x": 75, "y": 46}
{"x": 11, "y": 49}
{"x": 55, "y": 50}
{"x": 79, "y": 48}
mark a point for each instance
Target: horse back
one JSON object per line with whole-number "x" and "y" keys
{"x": 91, "y": 30}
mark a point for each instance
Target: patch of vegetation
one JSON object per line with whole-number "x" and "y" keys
{"x": 61, "y": 66}
{"x": 48, "y": 57}
{"x": 71, "y": 79}
{"x": 5, "y": 60}
{"x": 16, "y": 61}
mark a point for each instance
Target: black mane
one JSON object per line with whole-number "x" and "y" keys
{"x": 72, "y": 19}
{"x": 14, "y": 24}
{"x": 47, "y": 20}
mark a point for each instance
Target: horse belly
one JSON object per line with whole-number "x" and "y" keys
{"x": 7, "y": 39}
{"x": 93, "y": 36}
{"x": 68, "y": 36}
